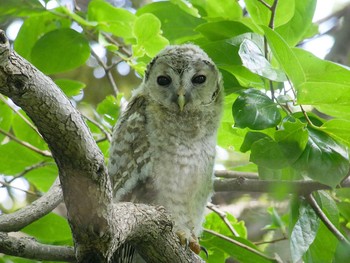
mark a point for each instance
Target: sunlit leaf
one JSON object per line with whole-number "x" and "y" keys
{"x": 222, "y": 29}
{"x": 70, "y": 87}
{"x": 109, "y": 108}
{"x": 148, "y": 35}
{"x": 117, "y": 21}
{"x": 60, "y": 50}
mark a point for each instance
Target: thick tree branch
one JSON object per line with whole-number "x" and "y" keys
{"x": 40, "y": 207}
{"x": 29, "y": 248}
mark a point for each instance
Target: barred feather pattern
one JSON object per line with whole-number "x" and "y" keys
{"x": 163, "y": 154}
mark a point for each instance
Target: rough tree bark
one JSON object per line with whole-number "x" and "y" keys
{"x": 98, "y": 225}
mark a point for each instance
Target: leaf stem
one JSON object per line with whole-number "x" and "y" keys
{"x": 239, "y": 244}
{"x": 8, "y": 185}
{"x": 313, "y": 203}
{"x": 100, "y": 127}
{"x": 26, "y": 144}
{"x": 223, "y": 216}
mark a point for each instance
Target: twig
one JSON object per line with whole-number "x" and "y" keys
{"x": 37, "y": 209}
{"x": 270, "y": 241}
{"x": 5, "y": 184}
{"x": 20, "y": 114}
{"x": 26, "y": 144}
{"x": 236, "y": 174}
{"x": 108, "y": 72}
{"x": 101, "y": 128}
{"x": 223, "y": 216}
{"x": 29, "y": 169}
{"x": 236, "y": 243}
{"x": 318, "y": 210}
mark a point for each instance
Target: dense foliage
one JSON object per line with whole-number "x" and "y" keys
{"x": 275, "y": 92}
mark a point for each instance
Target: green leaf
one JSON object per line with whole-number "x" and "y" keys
{"x": 177, "y": 25}
{"x": 255, "y": 110}
{"x": 20, "y": 8}
{"x": 148, "y": 35}
{"x": 70, "y": 87}
{"x": 253, "y": 58}
{"x": 43, "y": 178}
{"x": 338, "y": 129}
{"x": 296, "y": 28}
{"x": 261, "y": 15}
{"x": 324, "y": 159}
{"x": 292, "y": 139}
{"x": 14, "y": 158}
{"x": 267, "y": 153}
{"x": 220, "y": 9}
{"x": 325, "y": 244}
{"x": 60, "y": 50}
{"x": 34, "y": 28}
{"x": 250, "y": 139}
{"x": 304, "y": 232}
{"x": 52, "y": 229}
{"x": 26, "y": 133}
{"x": 222, "y": 29}
{"x": 109, "y": 108}
{"x": 117, "y": 21}
{"x": 187, "y": 7}
{"x": 321, "y": 76}
{"x": 286, "y": 57}
{"x": 6, "y": 117}
{"x": 215, "y": 223}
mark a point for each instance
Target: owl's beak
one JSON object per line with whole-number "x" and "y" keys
{"x": 181, "y": 100}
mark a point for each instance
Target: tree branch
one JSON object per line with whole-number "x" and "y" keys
{"x": 318, "y": 210}
{"x": 267, "y": 186}
{"x": 29, "y": 248}
{"x": 28, "y": 214}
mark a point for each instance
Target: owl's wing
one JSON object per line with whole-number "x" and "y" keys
{"x": 129, "y": 160}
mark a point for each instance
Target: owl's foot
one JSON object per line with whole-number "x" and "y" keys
{"x": 191, "y": 241}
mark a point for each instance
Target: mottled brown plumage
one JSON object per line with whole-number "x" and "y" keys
{"x": 163, "y": 145}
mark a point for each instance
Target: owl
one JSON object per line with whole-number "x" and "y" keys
{"x": 163, "y": 145}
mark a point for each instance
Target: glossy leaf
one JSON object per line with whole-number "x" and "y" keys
{"x": 148, "y": 35}
{"x": 255, "y": 110}
{"x": 117, "y": 21}
{"x": 60, "y": 50}
{"x": 250, "y": 138}
{"x": 70, "y": 87}
{"x": 304, "y": 232}
{"x": 253, "y": 59}
{"x": 220, "y": 9}
{"x": 324, "y": 159}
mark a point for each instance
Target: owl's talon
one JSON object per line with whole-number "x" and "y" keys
{"x": 205, "y": 251}
{"x": 189, "y": 242}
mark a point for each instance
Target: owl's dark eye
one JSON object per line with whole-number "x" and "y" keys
{"x": 199, "y": 79}
{"x": 163, "y": 80}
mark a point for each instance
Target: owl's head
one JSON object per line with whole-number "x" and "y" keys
{"x": 183, "y": 78}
